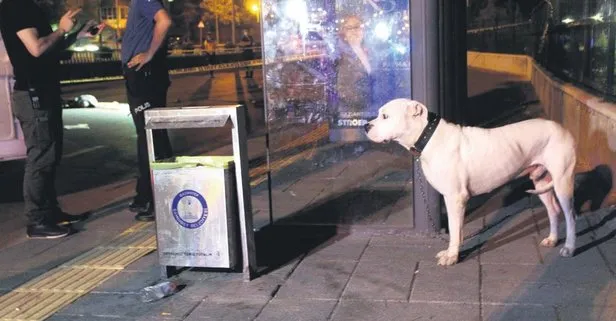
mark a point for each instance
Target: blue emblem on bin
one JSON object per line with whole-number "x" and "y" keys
{"x": 189, "y": 209}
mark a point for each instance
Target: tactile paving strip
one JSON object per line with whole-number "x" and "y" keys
{"x": 41, "y": 297}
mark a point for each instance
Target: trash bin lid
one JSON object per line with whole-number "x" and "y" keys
{"x": 193, "y": 161}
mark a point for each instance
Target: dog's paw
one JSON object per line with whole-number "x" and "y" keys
{"x": 441, "y": 254}
{"x": 566, "y": 252}
{"x": 446, "y": 259}
{"x": 548, "y": 242}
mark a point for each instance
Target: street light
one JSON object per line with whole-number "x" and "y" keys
{"x": 201, "y": 25}
{"x": 254, "y": 8}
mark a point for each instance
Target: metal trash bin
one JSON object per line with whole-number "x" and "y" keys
{"x": 196, "y": 212}
{"x": 211, "y": 117}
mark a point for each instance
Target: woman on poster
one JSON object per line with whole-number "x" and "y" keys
{"x": 354, "y": 83}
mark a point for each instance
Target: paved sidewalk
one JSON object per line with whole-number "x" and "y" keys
{"x": 324, "y": 273}
{"x": 342, "y": 272}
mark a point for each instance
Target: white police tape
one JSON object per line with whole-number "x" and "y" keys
{"x": 224, "y": 66}
{"x": 207, "y": 68}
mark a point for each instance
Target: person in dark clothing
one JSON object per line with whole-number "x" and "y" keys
{"x": 247, "y": 42}
{"x": 210, "y": 51}
{"x": 33, "y": 49}
{"x": 144, "y": 64}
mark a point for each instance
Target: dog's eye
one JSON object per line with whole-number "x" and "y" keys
{"x": 385, "y": 116}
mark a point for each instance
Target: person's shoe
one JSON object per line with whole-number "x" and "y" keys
{"x": 46, "y": 231}
{"x": 139, "y": 206}
{"x": 63, "y": 218}
{"x": 145, "y": 216}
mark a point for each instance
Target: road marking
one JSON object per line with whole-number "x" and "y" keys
{"x": 278, "y": 165}
{"x": 83, "y": 151}
{"x": 259, "y": 174}
{"x": 77, "y": 126}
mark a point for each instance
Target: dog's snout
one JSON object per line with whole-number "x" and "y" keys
{"x": 367, "y": 127}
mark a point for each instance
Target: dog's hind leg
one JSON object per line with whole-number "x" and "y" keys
{"x": 562, "y": 168}
{"x": 563, "y": 187}
{"x": 553, "y": 209}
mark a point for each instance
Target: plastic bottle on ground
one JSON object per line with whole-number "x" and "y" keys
{"x": 158, "y": 291}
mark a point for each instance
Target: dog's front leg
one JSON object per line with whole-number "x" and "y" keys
{"x": 455, "y": 214}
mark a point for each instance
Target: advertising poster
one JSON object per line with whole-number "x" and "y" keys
{"x": 335, "y": 62}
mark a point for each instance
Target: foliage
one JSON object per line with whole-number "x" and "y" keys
{"x": 222, "y": 9}
{"x": 191, "y": 14}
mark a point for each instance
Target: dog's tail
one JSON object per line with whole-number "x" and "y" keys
{"x": 545, "y": 189}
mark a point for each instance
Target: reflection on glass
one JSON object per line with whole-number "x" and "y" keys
{"x": 354, "y": 80}
{"x": 371, "y": 65}
{"x": 570, "y": 38}
{"x": 329, "y": 66}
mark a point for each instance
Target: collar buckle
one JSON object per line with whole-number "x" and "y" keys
{"x": 414, "y": 151}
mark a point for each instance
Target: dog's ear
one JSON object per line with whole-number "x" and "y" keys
{"x": 416, "y": 109}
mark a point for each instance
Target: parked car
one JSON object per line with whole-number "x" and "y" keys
{"x": 88, "y": 50}
{"x": 104, "y": 53}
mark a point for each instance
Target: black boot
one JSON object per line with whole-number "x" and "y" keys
{"x": 147, "y": 216}
{"x": 139, "y": 206}
{"x": 46, "y": 231}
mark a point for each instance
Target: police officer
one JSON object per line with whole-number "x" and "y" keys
{"x": 144, "y": 60}
{"x": 33, "y": 48}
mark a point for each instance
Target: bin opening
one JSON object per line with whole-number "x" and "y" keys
{"x": 193, "y": 161}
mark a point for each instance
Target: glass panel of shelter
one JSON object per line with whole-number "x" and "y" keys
{"x": 328, "y": 66}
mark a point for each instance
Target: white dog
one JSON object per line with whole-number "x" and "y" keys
{"x": 460, "y": 162}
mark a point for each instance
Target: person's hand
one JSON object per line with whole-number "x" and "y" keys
{"x": 139, "y": 60}
{"x": 85, "y": 30}
{"x": 67, "y": 22}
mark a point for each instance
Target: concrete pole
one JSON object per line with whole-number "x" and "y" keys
{"x": 424, "y": 88}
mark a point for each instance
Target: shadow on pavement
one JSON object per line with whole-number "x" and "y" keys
{"x": 565, "y": 289}
{"x": 281, "y": 244}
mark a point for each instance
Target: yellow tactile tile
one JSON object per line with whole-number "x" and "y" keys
{"x": 43, "y": 296}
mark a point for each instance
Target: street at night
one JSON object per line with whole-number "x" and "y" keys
{"x": 403, "y": 160}
{"x": 100, "y": 143}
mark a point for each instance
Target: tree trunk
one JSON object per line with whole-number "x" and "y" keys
{"x": 233, "y": 22}
{"x": 217, "y": 34}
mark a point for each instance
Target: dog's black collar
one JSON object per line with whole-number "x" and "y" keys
{"x": 426, "y": 134}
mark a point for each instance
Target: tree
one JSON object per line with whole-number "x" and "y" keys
{"x": 191, "y": 14}
{"x": 225, "y": 11}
